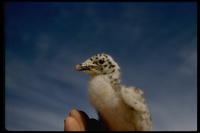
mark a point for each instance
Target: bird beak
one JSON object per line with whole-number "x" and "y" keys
{"x": 86, "y": 66}
{"x": 81, "y": 67}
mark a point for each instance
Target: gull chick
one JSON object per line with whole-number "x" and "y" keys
{"x": 120, "y": 107}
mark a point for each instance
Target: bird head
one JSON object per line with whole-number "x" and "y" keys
{"x": 100, "y": 64}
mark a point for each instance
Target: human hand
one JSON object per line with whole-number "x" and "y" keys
{"x": 79, "y": 121}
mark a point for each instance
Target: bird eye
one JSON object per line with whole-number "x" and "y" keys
{"x": 101, "y": 61}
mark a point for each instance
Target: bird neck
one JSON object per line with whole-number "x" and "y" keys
{"x": 114, "y": 80}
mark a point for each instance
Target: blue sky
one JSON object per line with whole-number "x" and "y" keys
{"x": 155, "y": 44}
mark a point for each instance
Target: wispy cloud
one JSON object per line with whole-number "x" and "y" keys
{"x": 38, "y": 90}
{"x": 189, "y": 56}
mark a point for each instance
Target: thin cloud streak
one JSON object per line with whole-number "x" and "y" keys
{"x": 35, "y": 92}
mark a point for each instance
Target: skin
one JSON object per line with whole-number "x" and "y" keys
{"x": 79, "y": 121}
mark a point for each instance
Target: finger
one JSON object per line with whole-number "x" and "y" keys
{"x": 71, "y": 124}
{"x": 81, "y": 118}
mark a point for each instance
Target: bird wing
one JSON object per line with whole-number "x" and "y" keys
{"x": 134, "y": 98}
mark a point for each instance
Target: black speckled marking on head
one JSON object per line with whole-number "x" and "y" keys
{"x": 113, "y": 71}
{"x": 102, "y": 61}
{"x": 91, "y": 59}
{"x": 105, "y": 65}
{"x": 106, "y": 56}
{"x": 112, "y": 65}
{"x": 107, "y": 60}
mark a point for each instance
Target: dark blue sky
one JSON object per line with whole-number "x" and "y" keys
{"x": 155, "y": 44}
